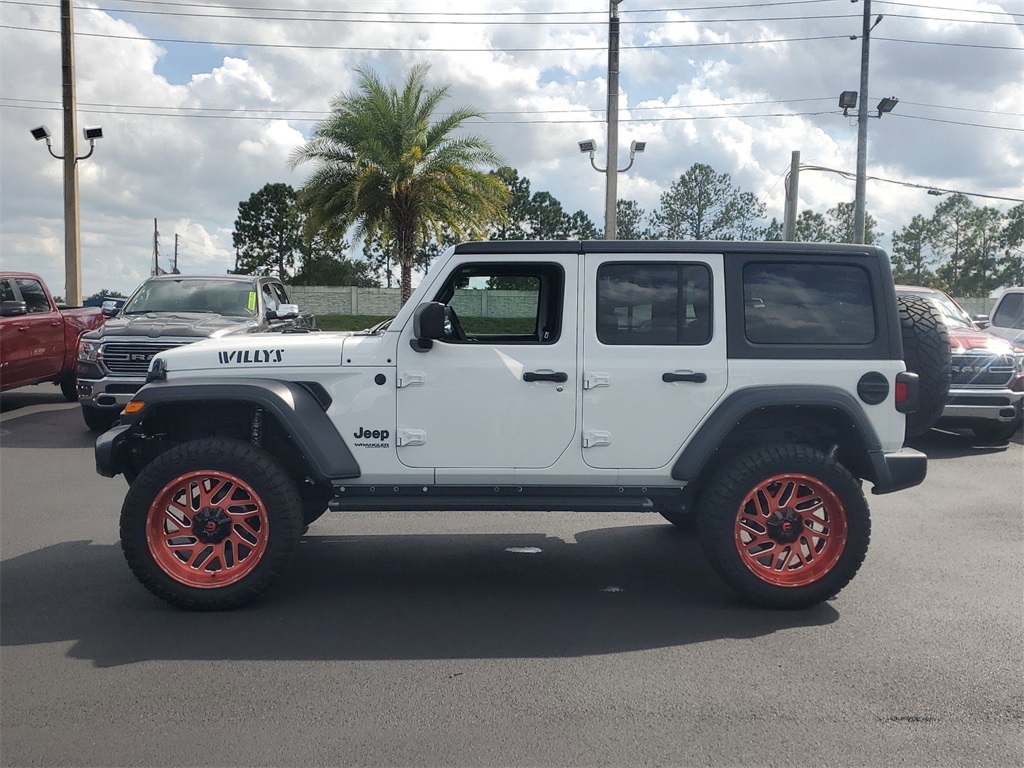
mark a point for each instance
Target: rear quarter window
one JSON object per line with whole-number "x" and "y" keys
{"x": 807, "y": 303}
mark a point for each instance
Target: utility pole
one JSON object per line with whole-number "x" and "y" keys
{"x": 72, "y": 252}
{"x": 175, "y": 269}
{"x": 611, "y": 177}
{"x": 156, "y": 250}
{"x": 862, "y": 129}
{"x": 792, "y": 190}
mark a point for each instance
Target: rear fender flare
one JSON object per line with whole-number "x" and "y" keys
{"x": 703, "y": 448}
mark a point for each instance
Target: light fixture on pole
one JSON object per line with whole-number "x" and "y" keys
{"x": 589, "y": 147}
{"x": 887, "y": 105}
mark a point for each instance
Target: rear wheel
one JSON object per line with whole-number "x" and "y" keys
{"x": 210, "y": 523}
{"x": 785, "y": 525}
{"x": 926, "y": 352}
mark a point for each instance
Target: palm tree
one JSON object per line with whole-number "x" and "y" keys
{"x": 386, "y": 168}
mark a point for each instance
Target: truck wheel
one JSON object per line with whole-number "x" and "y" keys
{"x": 996, "y": 434}
{"x": 785, "y": 525}
{"x": 926, "y": 352}
{"x": 98, "y": 419}
{"x": 210, "y": 523}
{"x": 69, "y": 388}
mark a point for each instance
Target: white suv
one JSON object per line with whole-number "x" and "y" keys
{"x": 1007, "y": 319}
{"x": 743, "y": 388}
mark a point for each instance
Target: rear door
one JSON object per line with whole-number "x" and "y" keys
{"x": 654, "y": 354}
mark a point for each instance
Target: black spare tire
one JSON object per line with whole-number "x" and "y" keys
{"x": 925, "y": 352}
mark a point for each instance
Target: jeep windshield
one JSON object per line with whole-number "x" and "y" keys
{"x": 221, "y": 297}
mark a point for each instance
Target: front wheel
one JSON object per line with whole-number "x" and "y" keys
{"x": 98, "y": 419}
{"x": 996, "y": 434}
{"x": 210, "y": 523}
{"x": 69, "y": 388}
{"x": 787, "y": 526}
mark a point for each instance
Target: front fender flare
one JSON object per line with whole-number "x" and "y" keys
{"x": 295, "y": 407}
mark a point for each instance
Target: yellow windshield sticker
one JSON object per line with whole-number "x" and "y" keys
{"x": 252, "y": 301}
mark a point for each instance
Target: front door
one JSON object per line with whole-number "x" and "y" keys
{"x": 654, "y": 355}
{"x": 499, "y": 391}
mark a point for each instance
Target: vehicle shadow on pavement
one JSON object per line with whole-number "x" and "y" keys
{"x": 36, "y": 430}
{"x": 400, "y": 597}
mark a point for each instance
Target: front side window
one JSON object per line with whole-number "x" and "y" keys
{"x": 269, "y": 297}
{"x": 504, "y": 303}
{"x": 6, "y": 291}
{"x": 807, "y": 304}
{"x": 33, "y": 295}
{"x": 653, "y": 303}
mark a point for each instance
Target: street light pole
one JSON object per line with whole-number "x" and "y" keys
{"x": 862, "y": 129}
{"x": 611, "y": 177}
{"x": 72, "y": 252}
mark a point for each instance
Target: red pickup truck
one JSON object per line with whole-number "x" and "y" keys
{"x": 38, "y": 339}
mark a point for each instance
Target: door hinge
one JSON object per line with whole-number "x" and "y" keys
{"x": 408, "y": 378}
{"x": 593, "y": 380}
{"x": 595, "y": 437}
{"x": 411, "y": 437}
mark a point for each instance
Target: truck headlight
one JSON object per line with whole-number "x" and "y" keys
{"x": 89, "y": 350}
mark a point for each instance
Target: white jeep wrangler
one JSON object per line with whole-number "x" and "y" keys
{"x": 743, "y": 388}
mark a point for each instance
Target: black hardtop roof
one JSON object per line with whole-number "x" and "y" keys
{"x": 640, "y": 247}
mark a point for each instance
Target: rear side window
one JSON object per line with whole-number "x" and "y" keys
{"x": 1010, "y": 312}
{"x": 658, "y": 303}
{"x": 786, "y": 303}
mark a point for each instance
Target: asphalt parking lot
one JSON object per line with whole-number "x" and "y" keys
{"x": 508, "y": 638}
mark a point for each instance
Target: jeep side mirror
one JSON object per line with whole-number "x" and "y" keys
{"x": 427, "y": 325}
{"x": 13, "y": 308}
{"x": 283, "y": 312}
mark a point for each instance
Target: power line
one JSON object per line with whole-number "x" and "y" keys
{"x": 849, "y": 175}
{"x": 600, "y": 15}
{"x": 422, "y": 49}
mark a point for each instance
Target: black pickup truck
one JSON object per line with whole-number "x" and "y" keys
{"x": 169, "y": 311}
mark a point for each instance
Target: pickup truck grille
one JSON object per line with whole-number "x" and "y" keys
{"x": 131, "y": 358}
{"x": 978, "y": 371}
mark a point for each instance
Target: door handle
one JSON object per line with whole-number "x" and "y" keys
{"x": 699, "y": 378}
{"x": 561, "y": 378}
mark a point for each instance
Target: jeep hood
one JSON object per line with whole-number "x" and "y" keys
{"x": 199, "y": 325}
{"x": 260, "y": 351}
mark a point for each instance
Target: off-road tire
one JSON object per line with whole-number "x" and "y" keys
{"x": 69, "y": 388}
{"x": 926, "y": 352}
{"x": 737, "y": 501}
{"x": 259, "y": 486}
{"x": 98, "y": 419}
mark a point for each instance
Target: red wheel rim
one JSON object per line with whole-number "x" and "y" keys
{"x": 791, "y": 530}
{"x": 207, "y": 529}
